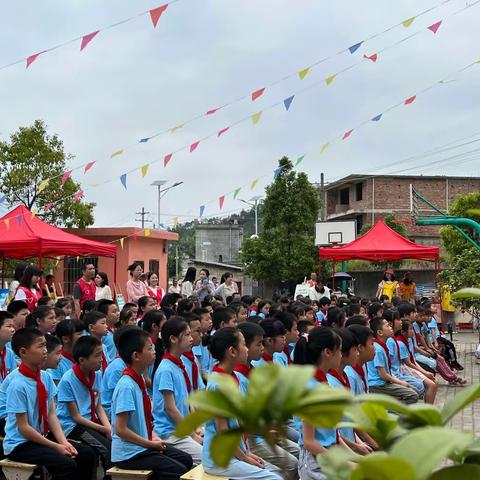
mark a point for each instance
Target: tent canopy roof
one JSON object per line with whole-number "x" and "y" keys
{"x": 380, "y": 243}
{"x": 22, "y": 236}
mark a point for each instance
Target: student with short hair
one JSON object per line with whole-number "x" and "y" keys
{"x": 110, "y": 310}
{"x": 8, "y": 362}
{"x": 19, "y": 310}
{"x": 224, "y": 317}
{"x": 66, "y": 305}
{"x": 33, "y": 433}
{"x": 134, "y": 445}
{"x": 357, "y": 373}
{"x": 188, "y": 358}
{"x": 201, "y": 352}
{"x": 59, "y": 314}
{"x": 273, "y": 341}
{"x": 54, "y": 353}
{"x": 291, "y": 337}
{"x": 96, "y": 326}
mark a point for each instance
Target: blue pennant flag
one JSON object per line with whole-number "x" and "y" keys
{"x": 355, "y": 47}
{"x": 202, "y": 210}
{"x": 288, "y": 101}
{"x": 123, "y": 179}
{"x": 276, "y": 172}
{"x": 377, "y": 118}
{"x": 144, "y": 140}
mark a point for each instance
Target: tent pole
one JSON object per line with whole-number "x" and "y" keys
{"x": 333, "y": 277}
{"x": 115, "y": 272}
{"x": 3, "y": 271}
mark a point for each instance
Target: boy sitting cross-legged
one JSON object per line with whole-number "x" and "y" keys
{"x": 31, "y": 415}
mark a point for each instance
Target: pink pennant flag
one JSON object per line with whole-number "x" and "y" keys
{"x": 194, "y": 146}
{"x": 66, "y": 176}
{"x": 373, "y": 57}
{"x": 88, "y": 166}
{"x": 410, "y": 100}
{"x": 213, "y": 110}
{"x": 48, "y": 206}
{"x": 221, "y": 200}
{"x": 222, "y": 131}
{"x": 32, "y": 58}
{"x": 433, "y": 28}
{"x": 166, "y": 159}
{"x": 347, "y": 134}
{"x": 156, "y": 13}
{"x": 257, "y": 93}
{"x": 78, "y": 196}
{"x": 86, "y": 39}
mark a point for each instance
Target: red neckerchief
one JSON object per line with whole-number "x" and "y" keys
{"x": 343, "y": 379}
{"x": 361, "y": 373}
{"x": 110, "y": 329}
{"x": 3, "y": 366}
{"x": 286, "y": 351}
{"x": 268, "y": 358}
{"x": 191, "y": 357}
{"x": 147, "y": 404}
{"x": 104, "y": 361}
{"x": 320, "y": 376}
{"x": 181, "y": 366}
{"x": 42, "y": 395}
{"x": 245, "y": 370}
{"x": 68, "y": 356}
{"x": 88, "y": 383}
{"x": 402, "y": 339}
{"x": 384, "y": 346}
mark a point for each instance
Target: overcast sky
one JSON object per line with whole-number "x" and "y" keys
{"x": 133, "y": 81}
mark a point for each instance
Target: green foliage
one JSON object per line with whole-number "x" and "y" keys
{"x": 285, "y": 251}
{"x": 31, "y": 156}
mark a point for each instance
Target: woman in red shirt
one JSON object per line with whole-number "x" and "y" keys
{"x": 29, "y": 290}
{"x": 153, "y": 289}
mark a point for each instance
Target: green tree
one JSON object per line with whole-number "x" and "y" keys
{"x": 32, "y": 155}
{"x": 285, "y": 251}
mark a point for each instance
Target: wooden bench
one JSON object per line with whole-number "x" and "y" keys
{"x": 198, "y": 473}
{"x": 16, "y": 470}
{"x": 119, "y": 474}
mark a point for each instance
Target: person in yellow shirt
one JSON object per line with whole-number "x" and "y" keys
{"x": 448, "y": 308}
{"x": 407, "y": 288}
{"x": 388, "y": 286}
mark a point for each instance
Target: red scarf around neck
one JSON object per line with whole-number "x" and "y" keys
{"x": 320, "y": 376}
{"x": 220, "y": 370}
{"x": 68, "y": 356}
{"x": 88, "y": 384}
{"x": 104, "y": 361}
{"x": 245, "y": 370}
{"x": 268, "y": 358}
{"x": 191, "y": 357}
{"x": 387, "y": 353}
{"x": 147, "y": 404}
{"x": 42, "y": 396}
{"x": 3, "y": 366}
{"x": 361, "y": 372}
{"x": 402, "y": 339}
{"x": 181, "y": 366}
{"x": 342, "y": 378}
{"x": 286, "y": 351}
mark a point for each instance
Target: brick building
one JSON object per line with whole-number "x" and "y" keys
{"x": 368, "y": 198}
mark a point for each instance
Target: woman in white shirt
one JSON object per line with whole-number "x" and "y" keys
{"x": 102, "y": 290}
{"x": 227, "y": 287}
{"x": 188, "y": 281}
{"x": 319, "y": 291}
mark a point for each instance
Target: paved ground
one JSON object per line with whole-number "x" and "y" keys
{"x": 469, "y": 420}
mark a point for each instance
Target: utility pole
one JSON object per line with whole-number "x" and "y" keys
{"x": 322, "y": 198}
{"x": 142, "y": 214}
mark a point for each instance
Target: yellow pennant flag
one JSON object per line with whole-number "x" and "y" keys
{"x": 94, "y": 185}
{"x": 256, "y": 117}
{"x": 174, "y": 129}
{"x": 253, "y": 184}
{"x": 7, "y": 223}
{"x": 175, "y": 222}
{"x": 145, "y": 169}
{"x": 324, "y": 147}
{"x": 330, "y": 79}
{"x": 34, "y": 212}
{"x": 43, "y": 184}
{"x": 406, "y": 23}
{"x": 121, "y": 242}
{"x": 303, "y": 73}
{"x": 116, "y": 154}
{"x": 147, "y": 232}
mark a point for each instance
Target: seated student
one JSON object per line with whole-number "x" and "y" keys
{"x": 145, "y": 304}
{"x": 79, "y": 408}
{"x": 7, "y": 357}
{"x": 273, "y": 341}
{"x": 223, "y": 317}
{"x": 290, "y": 323}
{"x": 88, "y": 306}
{"x": 357, "y": 374}
{"x": 110, "y": 310}
{"x": 304, "y": 328}
{"x": 228, "y": 347}
{"x": 59, "y": 314}
{"x": 188, "y": 358}
{"x": 201, "y": 352}
{"x": 321, "y": 315}
{"x": 96, "y": 326}
{"x": 42, "y": 318}
{"x": 46, "y": 301}
{"x": 66, "y": 304}
{"x": 54, "y": 354}
{"x": 68, "y": 332}
{"x": 380, "y": 377}
{"x": 134, "y": 445}
{"x": 336, "y": 317}
{"x": 31, "y": 415}
{"x": 285, "y": 454}
{"x": 357, "y": 320}
{"x": 19, "y": 310}
{"x": 263, "y": 308}
{"x": 375, "y": 310}
{"x": 241, "y": 311}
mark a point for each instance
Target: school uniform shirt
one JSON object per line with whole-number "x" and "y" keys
{"x": 22, "y": 398}
{"x": 280, "y": 358}
{"x": 110, "y": 378}
{"x": 380, "y": 360}
{"x": 169, "y": 378}
{"x": 345, "y": 432}
{"x": 70, "y": 389}
{"x": 433, "y": 331}
{"x": 109, "y": 347}
{"x": 189, "y": 366}
{"x": 64, "y": 366}
{"x": 10, "y": 362}
{"x": 3, "y": 393}
{"x": 204, "y": 357}
{"x": 395, "y": 356}
{"x": 127, "y": 398}
{"x": 357, "y": 386}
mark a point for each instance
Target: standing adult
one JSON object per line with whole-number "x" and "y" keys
{"x": 153, "y": 289}
{"x": 102, "y": 289}
{"x": 319, "y": 290}
{"x": 135, "y": 287}
{"x": 188, "y": 281}
{"x": 388, "y": 286}
{"x": 203, "y": 286}
{"x": 28, "y": 290}
{"x": 227, "y": 287}
{"x": 313, "y": 280}
{"x": 84, "y": 288}
{"x": 407, "y": 288}
{"x": 17, "y": 277}
{"x": 175, "y": 287}
{"x": 448, "y": 308}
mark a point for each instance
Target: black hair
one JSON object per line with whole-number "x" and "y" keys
{"x": 287, "y": 318}
{"x": 250, "y": 331}
{"x": 191, "y": 317}
{"x": 297, "y": 310}
{"x": 349, "y": 340}
{"x": 405, "y": 309}
{"x": 407, "y": 278}
{"x": 62, "y": 302}
{"x": 29, "y": 272}
{"x": 174, "y": 326}
{"x": 361, "y": 332}
{"x": 222, "y": 340}
{"x": 133, "y": 266}
{"x": 247, "y": 300}
{"x": 262, "y": 303}
{"x": 309, "y": 350}
{"x": 190, "y": 274}
{"x": 49, "y": 277}
{"x": 273, "y": 328}
{"x": 151, "y": 318}
{"x": 357, "y": 320}
{"x": 43, "y": 301}
{"x": 391, "y": 315}
{"x": 405, "y": 324}
{"x": 15, "y": 306}
{"x": 200, "y": 311}
{"x": 129, "y": 306}
{"x": 222, "y": 315}
{"x": 354, "y": 309}
{"x": 84, "y": 347}
{"x": 59, "y": 312}
{"x": 120, "y": 331}
{"x": 365, "y": 302}
{"x": 336, "y": 317}
{"x": 4, "y": 316}
{"x": 52, "y": 342}
{"x": 86, "y": 264}
{"x": 88, "y": 306}
{"x": 38, "y": 314}
{"x": 133, "y": 342}
{"x": 19, "y": 269}
{"x": 376, "y": 324}
{"x": 125, "y": 316}
{"x": 374, "y": 308}
{"x": 104, "y": 278}
{"x": 384, "y": 298}
{"x": 103, "y": 305}
{"x": 91, "y": 318}
{"x": 324, "y": 301}
{"x": 205, "y": 270}
{"x": 142, "y": 303}
{"x": 24, "y": 338}
{"x": 66, "y": 328}
{"x": 303, "y": 326}
{"x": 184, "y": 305}
{"x": 225, "y": 276}
{"x": 392, "y": 276}
{"x": 396, "y": 301}
{"x": 169, "y": 300}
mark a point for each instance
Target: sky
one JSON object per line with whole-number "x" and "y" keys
{"x": 133, "y": 81}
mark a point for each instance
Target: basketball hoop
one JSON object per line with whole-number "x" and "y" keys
{"x": 334, "y": 244}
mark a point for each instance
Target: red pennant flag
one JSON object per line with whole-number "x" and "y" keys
{"x": 257, "y": 93}
{"x": 373, "y": 57}
{"x": 134, "y": 236}
{"x": 156, "y": 13}
{"x": 166, "y": 159}
{"x": 410, "y": 100}
{"x": 66, "y": 176}
{"x": 78, "y": 196}
{"x": 32, "y": 58}
{"x": 86, "y": 39}
{"x": 221, "y": 200}
{"x": 433, "y": 28}
{"x": 222, "y": 131}
{"x": 194, "y": 146}
{"x": 213, "y": 110}
{"x": 88, "y": 166}
{"x": 347, "y": 134}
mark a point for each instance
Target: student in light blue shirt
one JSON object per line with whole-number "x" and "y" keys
{"x": 188, "y": 358}
{"x": 289, "y": 321}
{"x": 110, "y": 310}
{"x": 8, "y": 362}
{"x": 273, "y": 342}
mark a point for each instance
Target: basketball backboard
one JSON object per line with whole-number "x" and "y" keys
{"x": 335, "y": 233}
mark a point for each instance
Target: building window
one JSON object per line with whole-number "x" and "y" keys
{"x": 359, "y": 192}
{"x": 154, "y": 266}
{"x": 359, "y": 219}
{"x": 345, "y": 196}
{"x": 73, "y": 270}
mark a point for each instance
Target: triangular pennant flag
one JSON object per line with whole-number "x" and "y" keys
{"x": 330, "y": 79}
{"x": 78, "y": 196}
{"x": 88, "y": 166}
{"x": 256, "y": 117}
{"x": 406, "y": 23}
{"x": 202, "y": 210}
{"x": 86, "y": 39}
{"x": 121, "y": 242}
{"x": 48, "y": 206}
{"x": 221, "y": 199}
{"x": 134, "y": 236}
{"x": 19, "y": 219}
{"x": 32, "y": 58}
{"x": 276, "y": 172}
{"x": 222, "y": 131}
{"x": 355, "y": 47}
{"x": 212, "y": 111}
{"x": 194, "y": 146}
{"x": 299, "y": 160}
{"x": 7, "y": 223}
{"x": 144, "y": 169}
{"x": 42, "y": 185}
{"x": 175, "y": 221}
{"x": 156, "y": 13}
{"x": 253, "y": 184}
{"x": 166, "y": 159}
{"x": 410, "y": 100}
{"x": 324, "y": 147}
{"x": 433, "y": 28}
{"x": 347, "y": 134}
{"x": 115, "y": 154}
{"x": 377, "y": 118}
{"x": 178, "y": 127}
{"x": 3, "y": 198}
{"x": 257, "y": 93}
{"x": 65, "y": 177}
{"x": 144, "y": 140}
{"x": 147, "y": 232}
{"x": 123, "y": 179}
{"x": 33, "y": 213}
{"x": 303, "y": 73}
{"x": 288, "y": 101}
{"x": 372, "y": 57}
{"x": 236, "y": 192}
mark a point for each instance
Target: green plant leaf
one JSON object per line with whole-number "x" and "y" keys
{"x": 190, "y": 423}
{"x": 334, "y": 463}
{"x": 224, "y": 446}
{"x": 467, "y": 293}
{"x": 381, "y": 466}
{"x": 388, "y": 402}
{"x": 460, "y": 472}
{"x": 420, "y": 415}
{"x": 460, "y": 401}
{"x": 214, "y": 402}
{"x": 229, "y": 388}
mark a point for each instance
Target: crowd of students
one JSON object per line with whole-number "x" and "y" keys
{"x": 109, "y": 387}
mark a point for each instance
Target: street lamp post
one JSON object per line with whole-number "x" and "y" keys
{"x": 159, "y": 184}
{"x": 255, "y": 207}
